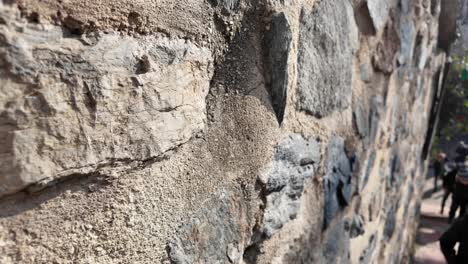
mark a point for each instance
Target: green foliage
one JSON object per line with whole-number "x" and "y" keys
{"x": 453, "y": 119}
{"x": 454, "y": 113}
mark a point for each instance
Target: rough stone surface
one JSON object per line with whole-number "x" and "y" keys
{"x": 190, "y": 18}
{"x": 325, "y": 53}
{"x": 71, "y": 105}
{"x": 226, "y": 4}
{"x": 335, "y": 249}
{"x": 233, "y": 131}
{"x": 294, "y": 162}
{"x": 386, "y": 50}
{"x": 220, "y": 229}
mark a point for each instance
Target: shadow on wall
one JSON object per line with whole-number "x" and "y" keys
{"x": 447, "y": 24}
{"x": 249, "y": 58}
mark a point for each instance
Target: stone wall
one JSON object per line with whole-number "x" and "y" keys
{"x": 216, "y": 131}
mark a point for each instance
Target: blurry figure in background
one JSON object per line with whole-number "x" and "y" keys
{"x": 457, "y": 233}
{"x": 448, "y": 182}
{"x": 460, "y": 194}
{"x": 462, "y": 149}
{"x": 439, "y": 163}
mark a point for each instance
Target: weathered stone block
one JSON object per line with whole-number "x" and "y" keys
{"x": 218, "y": 233}
{"x": 327, "y": 40}
{"x": 390, "y": 222}
{"x": 294, "y": 162}
{"x": 73, "y": 106}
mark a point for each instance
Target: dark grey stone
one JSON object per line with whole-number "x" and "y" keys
{"x": 327, "y": 40}
{"x": 215, "y": 232}
{"x": 293, "y": 163}
{"x": 277, "y": 44}
{"x": 337, "y": 181}
{"x": 394, "y": 179}
{"x": 390, "y": 222}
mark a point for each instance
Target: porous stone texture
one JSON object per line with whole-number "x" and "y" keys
{"x": 325, "y": 53}
{"x": 245, "y": 131}
{"x": 71, "y": 104}
{"x": 221, "y": 229}
{"x": 293, "y": 164}
{"x": 227, "y": 4}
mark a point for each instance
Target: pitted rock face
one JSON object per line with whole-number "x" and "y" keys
{"x": 110, "y": 97}
{"x": 393, "y": 176}
{"x": 294, "y": 162}
{"x": 325, "y": 57}
{"x": 71, "y": 105}
{"x": 217, "y": 234}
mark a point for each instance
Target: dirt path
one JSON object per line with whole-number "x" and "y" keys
{"x": 432, "y": 225}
